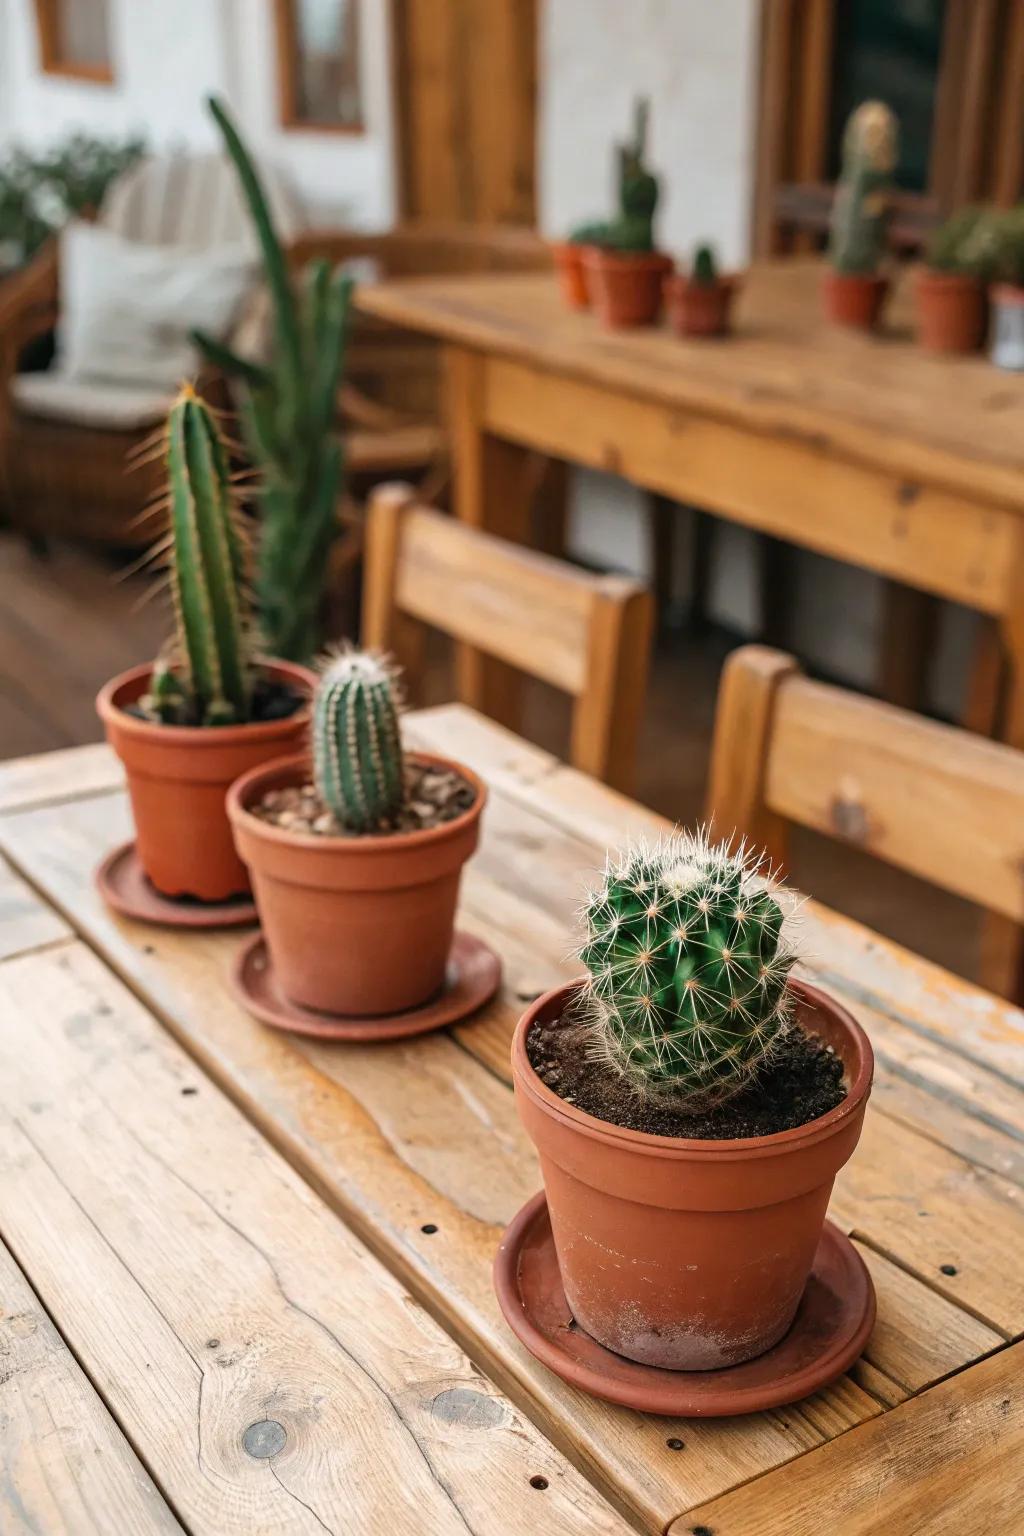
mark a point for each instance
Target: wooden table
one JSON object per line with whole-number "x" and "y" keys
{"x": 863, "y": 448}
{"x": 245, "y": 1279}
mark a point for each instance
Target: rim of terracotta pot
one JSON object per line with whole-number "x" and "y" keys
{"x": 935, "y": 277}
{"x": 244, "y": 790}
{"x": 1008, "y": 293}
{"x": 859, "y": 279}
{"x": 111, "y": 712}
{"x": 602, "y": 256}
{"x": 700, "y": 1149}
{"x": 682, "y": 282}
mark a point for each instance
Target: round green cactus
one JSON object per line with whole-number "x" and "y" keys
{"x": 688, "y": 965}
{"x": 704, "y": 271}
{"x": 357, "y": 748}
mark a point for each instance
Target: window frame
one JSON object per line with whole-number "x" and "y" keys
{"x": 286, "y": 40}
{"x": 52, "y": 60}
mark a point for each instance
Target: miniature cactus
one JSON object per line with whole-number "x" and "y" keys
{"x": 704, "y": 271}
{"x": 357, "y": 749}
{"x": 862, "y": 201}
{"x": 288, "y": 418}
{"x": 205, "y": 677}
{"x": 687, "y": 990}
{"x": 633, "y": 228}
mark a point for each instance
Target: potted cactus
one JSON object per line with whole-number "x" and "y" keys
{"x": 362, "y": 840}
{"x": 615, "y": 265}
{"x": 209, "y": 708}
{"x": 691, "y": 1103}
{"x": 855, "y": 287}
{"x": 699, "y": 302}
{"x": 950, "y": 287}
{"x": 1008, "y": 289}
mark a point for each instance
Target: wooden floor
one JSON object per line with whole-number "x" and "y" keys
{"x": 67, "y": 623}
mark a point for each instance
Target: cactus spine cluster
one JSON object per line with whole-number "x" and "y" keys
{"x": 861, "y": 208}
{"x": 357, "y": 749}
{"x": 688, "y": 966}
{"x": 207, "y": 681}
{"x": 633, "y": 227}
{"x": 288, "y": 420}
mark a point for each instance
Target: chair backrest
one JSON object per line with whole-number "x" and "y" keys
{"x": 191, "y": 200}
{"x": 940, "y": 802}
{"x": 587, "y": 635}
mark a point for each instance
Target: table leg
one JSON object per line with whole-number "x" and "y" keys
{"x": 1002, "y": 942}
{"x": 493, "y": 480}
{"x": 908, "y": 639}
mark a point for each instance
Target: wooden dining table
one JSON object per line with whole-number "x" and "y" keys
{"x": 245, "y": 1278}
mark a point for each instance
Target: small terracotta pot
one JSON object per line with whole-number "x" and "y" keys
{"x": 624, "y": 287}
{"x": 951, "y": 311}
{"x": 572, "y": 283}
{"x": 178, "y": 778}
{"x": 355, "y": 925}
{"x": 690, "y": 1255}
{"x": 854, "y": 298}
{"x": 1007, "y": 349}
{"x": 699, "y": 309}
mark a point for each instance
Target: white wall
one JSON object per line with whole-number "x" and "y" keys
{"x": 169, "y": 57}
{"x": 695, "y": 61}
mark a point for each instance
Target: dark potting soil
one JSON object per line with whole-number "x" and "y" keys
{"x": 803, "y": 1080}
{"x": 432, "y": 796}
{"x": 271, "y": 700}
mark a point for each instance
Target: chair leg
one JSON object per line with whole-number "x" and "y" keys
{"x": 982, "y": 711}
{"x": 670, "y": 524}
{"x": 908, "y": 637}
{"x": 777, "y": 573}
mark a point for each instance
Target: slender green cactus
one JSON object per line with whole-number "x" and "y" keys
{"x": 357, "y": 749}
{"x": 688, "y": 966}
{"x": 704, "y": 271}
{"x": 288, "y": 421}
{"x": 861, "y": 208}
{"x": 633, "y": 227}
{"x": 208, "y": 682}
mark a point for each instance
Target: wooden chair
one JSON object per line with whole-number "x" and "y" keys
{"x": 932, "y": 799}
{"x": 587, "y": 635}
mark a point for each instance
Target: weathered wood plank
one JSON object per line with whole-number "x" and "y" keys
{"x": 948, "y": 1463}
{"x": 272, "y": 1374}
{"x": 65, "y": 1467}
{"x": 26, "y": 922}
{"x": 426, "y": 1135}
{"x": 65, "y": 775}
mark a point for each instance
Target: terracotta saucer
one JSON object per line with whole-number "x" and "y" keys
{"x": 832, "y": 1325}
{"x": 474, "y": 972}
{"x": 123, "y": 885}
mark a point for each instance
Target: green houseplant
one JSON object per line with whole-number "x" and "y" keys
{"x": 40, "y": 192}
{"x": 1008, "y": 289}
{"x": 700, "y": 301}
{"x": 614, "y": 264}
{"x": 209, "y": 707}
{"x": 685, "y": 1222}
{"x": 362, "y": 839}
{"x": 950, "y": 287}
{"x": 855, "y": 286}
{"x": 288, "y": 418}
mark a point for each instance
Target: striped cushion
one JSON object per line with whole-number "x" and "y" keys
{"x": 191, "y": 200}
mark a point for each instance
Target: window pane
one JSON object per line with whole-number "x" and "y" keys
{"x": 889, "y": 50}
{"x": 327, "y": 62}
{"x": 85, "y": 32}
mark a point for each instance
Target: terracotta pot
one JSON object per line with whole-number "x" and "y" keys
{"x": 854, "y": 298}
{"x": 699, "y": 309}
{"x": 624, "y": 287}
{"x": 571, "y": 282}
{"x": 178, "y": 778}
{"x": 354, "y": 925}
{"x": 690, "y": 1255}
{"x": 951, "y": 311}
{"x": 1008, "y": 328}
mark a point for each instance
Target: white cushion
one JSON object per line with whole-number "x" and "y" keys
{"x": 127, "y": 309}
{"x": 88, "y": 402}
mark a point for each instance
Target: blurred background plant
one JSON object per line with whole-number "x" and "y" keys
{"x": 40, "y": 191}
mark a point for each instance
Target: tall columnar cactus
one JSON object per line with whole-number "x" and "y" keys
{"x": 688, "y": 967}
{"x": 861, "y": 208}
{"x": 288, "y": 419}
{"x": 208, "y": 682}
{"x": 357, "y": 749}
{"x": 637, "y": 190}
